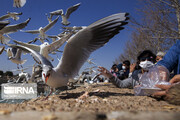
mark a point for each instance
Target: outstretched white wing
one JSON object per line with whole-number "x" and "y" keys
{"x": 58, "y": 43}
{"x": 82, "y": 44}
{"x": 72, "y": 9}
{"x": 31, "y": 46}
{"x": 14, "y": 28}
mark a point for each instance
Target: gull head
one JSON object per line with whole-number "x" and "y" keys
{"x": 41, "y": 29}
{"x": 44, "y": 44}
{"x": 10, "y": 58}
{"x": 46, "y": 73}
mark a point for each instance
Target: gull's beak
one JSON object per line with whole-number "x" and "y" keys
{"x": 46, "y": 77}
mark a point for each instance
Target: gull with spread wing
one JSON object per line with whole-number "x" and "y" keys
{"x": 42, "y": 30}
{"x": 11, "y": 29}
{"x": 45, "y": 49}
{"x": 64, "y": 17}
{"x": 14, "y": 54}
{"x": 19, "y": 3}
{"x": 78, "y": 49}
{"x": 13, "y": 15}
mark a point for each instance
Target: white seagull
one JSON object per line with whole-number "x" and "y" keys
{"x": 42, "y": 30}
{"x": 13, "y": 15}
{"x": 19, "y": 3}
{"x": 65, "y": 17}
{"x": 14, "y": 54}
{"x": 78, "y": 49}
{"x": 11, "y": 29}
{"x": 45, "y": 49}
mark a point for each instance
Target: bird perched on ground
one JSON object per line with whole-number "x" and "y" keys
{"x": 42, "y": 30}
{"x": 14, "y": 54}
{"x": 45, "y": 49}
{"x": 78, "y": 49}
{"x": 65, "y": 17}
{"x": 11, "y": 29}
{"x": 19, "y": 3}
{"x": 13, "y": 15}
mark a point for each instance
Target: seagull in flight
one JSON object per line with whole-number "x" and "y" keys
{"x": 11, "y": 29}
{"x": 13, "y": 15}
{"x": 14, "y": 54}
{"x": 78, "y": 49}
{"x": 19, "y": 3}
{"x": 65, "y": 17}
{"x": 42, "y": 30}
{"x": 45, "y": 48}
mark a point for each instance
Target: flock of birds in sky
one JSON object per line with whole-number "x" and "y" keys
{"x": 79, "y": 42}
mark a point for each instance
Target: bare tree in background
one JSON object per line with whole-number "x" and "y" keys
{"x": 158, "y": 30}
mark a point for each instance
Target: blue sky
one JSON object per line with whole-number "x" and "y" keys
{"x": 88, "y": 12}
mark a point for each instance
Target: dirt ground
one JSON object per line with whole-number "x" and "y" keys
{"x": 94, "y": 98}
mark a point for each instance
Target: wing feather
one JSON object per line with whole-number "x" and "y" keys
{"x": 42, "y": 59}
{"x": 14, "y": 28}
{"x": 31, "y": 46}
{"x": 71, "y": 9}
{"x": 50, "y": 25}
{"x": 82, "y": 44}
{"x": 58, "y": 43}
{"x": 4, "y": 17}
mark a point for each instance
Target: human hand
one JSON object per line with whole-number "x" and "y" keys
{"x": 132, "y": 67}
{"x": 105, "y": 72}
{"x": 175, "y": 79}
{"x": 165, "y": 88}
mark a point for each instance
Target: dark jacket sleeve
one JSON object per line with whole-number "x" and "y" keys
{"x": 171, "y": 59}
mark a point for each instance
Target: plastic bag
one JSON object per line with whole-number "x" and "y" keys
{"x": 155, "y": 75}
